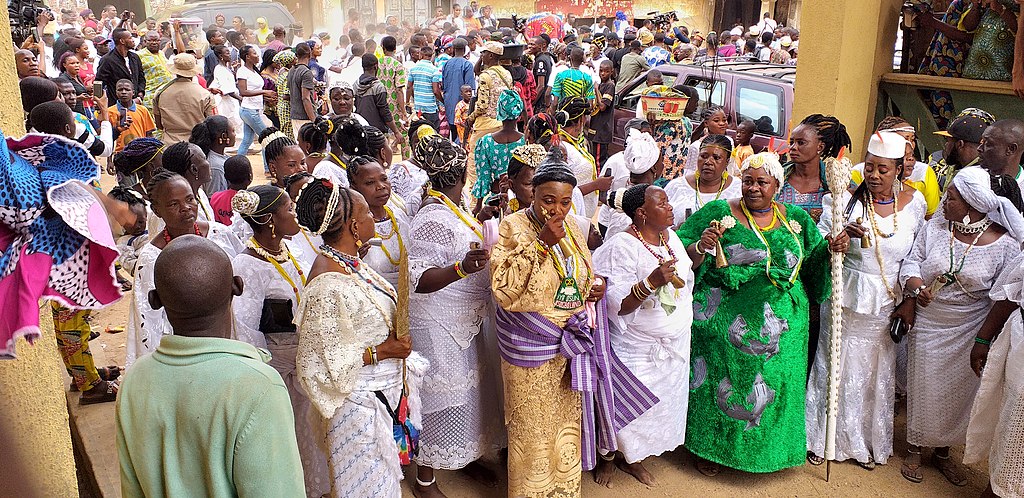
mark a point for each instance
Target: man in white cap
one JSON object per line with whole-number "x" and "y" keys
{"x": 484, "y": 118}
{"x": 182, "y": 104}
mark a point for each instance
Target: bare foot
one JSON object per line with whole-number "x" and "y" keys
{"x": 431, "y": 491}
{"x": 604, "y": 471}
{"x": 707, "y": 467}
{"x": 638, "y": 471}
{"x": 480, "y": 473}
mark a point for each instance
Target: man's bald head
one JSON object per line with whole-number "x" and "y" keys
{"x": 194, "y": 283}
{"x": 1001, "y": 147}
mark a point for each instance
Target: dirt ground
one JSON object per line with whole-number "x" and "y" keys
{"x": 674, "y": 471}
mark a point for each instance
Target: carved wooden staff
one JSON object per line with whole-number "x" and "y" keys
{"x": 837, "y": 172}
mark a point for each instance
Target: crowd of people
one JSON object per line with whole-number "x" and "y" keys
{"x": 446, "y": 265}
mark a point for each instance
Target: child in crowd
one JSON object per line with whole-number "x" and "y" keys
{"x": 129, "y": 119}
{"x": 461, "y": 111}
{"x": 238, "y": 173}
{"x": 743, "y": 150}
{"x": 134, "y": 238}
{"x": 602, "y": 124}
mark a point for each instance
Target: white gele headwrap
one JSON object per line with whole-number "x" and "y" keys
{"x": 975, "y": 186}
{"x": 767, "y": 160}
{"x": 888, "y": 145}
{"x": 641, "y": 152}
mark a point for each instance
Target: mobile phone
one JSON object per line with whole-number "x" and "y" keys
{"x": 473, "y": 246}
{"x": 494, "y": 200}
{"x": 97, "y": 89}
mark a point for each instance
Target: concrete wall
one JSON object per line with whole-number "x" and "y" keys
{"x": 845, "y": 48}
{"x": 33, "y": 406}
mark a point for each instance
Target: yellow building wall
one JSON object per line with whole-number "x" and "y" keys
{"x": 33, "y": 407}
{"x": 845, "y": 48}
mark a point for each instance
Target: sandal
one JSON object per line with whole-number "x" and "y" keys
{"x": 707, "y": 467}
{"x": 912, "y": 471}
{"x": 949, "y": 469}
{"x": 814, "y": 459}
{"x": 110, "y": 372}
{"x": 868, "y": 465}
{"x": 94, "y": 335}
{"x": 105, "y": 396}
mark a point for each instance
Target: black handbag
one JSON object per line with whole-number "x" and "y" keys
{"x": 277, "y": 317}
{"x": 897, "y": 330}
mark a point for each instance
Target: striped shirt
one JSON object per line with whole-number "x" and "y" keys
{"x": 573, "y": 83}
{"x": 422, "y": 77}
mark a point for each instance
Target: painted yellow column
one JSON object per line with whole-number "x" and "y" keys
{"x": 845, "y": 48}
{"x": 33, "y": 406}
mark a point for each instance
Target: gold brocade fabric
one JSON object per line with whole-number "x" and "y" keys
{"x": 542, "y": 415}
{"x": 542, "y": 412}
{"x": 523, "y": 278}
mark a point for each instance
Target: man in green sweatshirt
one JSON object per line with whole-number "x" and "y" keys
{"x": 204, "y": 415}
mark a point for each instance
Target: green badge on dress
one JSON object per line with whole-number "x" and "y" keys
{"x": 568, "y": 296}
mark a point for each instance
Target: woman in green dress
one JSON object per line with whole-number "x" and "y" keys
{"x": 749, "y": 346}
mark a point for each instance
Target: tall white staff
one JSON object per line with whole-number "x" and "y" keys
{"x": 838, "y": 173}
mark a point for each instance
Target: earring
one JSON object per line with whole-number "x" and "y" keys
{"x": 967, "y": 219}
{"x": 273, "y": 233}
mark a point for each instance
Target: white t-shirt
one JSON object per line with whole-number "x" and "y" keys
{"x": 253, "y": 81}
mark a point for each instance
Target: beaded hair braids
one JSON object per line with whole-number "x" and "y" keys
{"x": 444, "y": 162}
{"x": 274, "y": 143}
{"x": 355, "y": 165}
{"x": 320, "y": 210}
{"x": 350, "y": 137}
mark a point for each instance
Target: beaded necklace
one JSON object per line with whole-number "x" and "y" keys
{"x": 874, "y": 223}
{"x": 466, "y": 218}
{"x": 721, "y": 188}
{"x": 777, "y": 215}
{"x": 355, "y": 265}
{"x": 276, "y": 259}
{"x": 338, "y": 161}
{"x": 952, "y": 275}
{"x": 580, "y": 144}
{"x": 394, "y": 233}
{"x": 661, "y": 243}
{"x": 195, "y": 228}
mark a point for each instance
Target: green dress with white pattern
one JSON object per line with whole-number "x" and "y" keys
{"x": 749, "y": 345}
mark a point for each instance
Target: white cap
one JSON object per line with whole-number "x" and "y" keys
{"x": 887, "y": 144}
{"x": 737, "y": 31}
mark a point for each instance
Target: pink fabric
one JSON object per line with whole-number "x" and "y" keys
{"x": 20, "y": 293}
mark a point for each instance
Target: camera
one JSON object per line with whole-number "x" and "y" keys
{"x": 23, "y": 15}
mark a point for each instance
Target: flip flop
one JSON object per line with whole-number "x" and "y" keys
{"x": 814, "y": 459}
{"x": 912, "y": 472}
{"x": 109, "y": 395}
{"x": 94, "y": 335}
{"x": 949, "y": 470}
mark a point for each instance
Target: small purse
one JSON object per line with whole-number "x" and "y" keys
{"x": 406, "y": 436}
{"x": 897, "y": 330}
{"x": 277, "y": 317}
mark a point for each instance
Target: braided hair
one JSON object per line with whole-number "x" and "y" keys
{"x": 207, "y": 131}
{"x": 317, "y": 134}
{"x": 375, "y": 141}
{"x": 178, "y": 158}
{"x": 275, "y": 147}
{"x": 257, "y": 204}
{"x": 628, "y": 200}
{"x": 160, "y": 179}
{"x": 350, "y": 138}
{"x": 544, "y": 129}
{"x": 1006, "y": 186}
{"x": 831, "y": 132}
{"x": 721, "y": 141}
{"x": 444, "y": 162}
{"x": 571, "y": 110}
{"x": 137, "y": 154}
{"x": 554, "y": 169}
{"x": 355, "y": 164}
{"x": 890, "y": 122}
{"x": 311, "y": 207}
{"x": 705, "y": 116}
{"x": 126, "y": 195}
{"x": 295, "y": 178}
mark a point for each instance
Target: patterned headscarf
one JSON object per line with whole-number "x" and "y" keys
{"x": 444, "y": 162}
{"x": 510, "y": 105}
{"x": 531, "y": 155}
{"x": 285, "y": 57}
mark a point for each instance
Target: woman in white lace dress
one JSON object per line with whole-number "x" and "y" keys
{"x": 948, "y": 277}
{"x": 996, "y": 430}
{"x": 451, "y": 306}
{"x": 350, "y": 362}
{"x": 369, "y": 178}
{"x": 273, "y": 279}
{"x": 650, "y": 318}
{"x": 889, "y": 217}
{"x": 710, "y": 180}
{"x": 174, "y": 203}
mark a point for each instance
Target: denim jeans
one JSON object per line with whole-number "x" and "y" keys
{"x": 252, "y": 120}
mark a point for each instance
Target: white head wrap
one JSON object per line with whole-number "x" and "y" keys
{"x": 641, "y": 153}
{"x": 767, "y": 160}
{"x": 974, "y": 185}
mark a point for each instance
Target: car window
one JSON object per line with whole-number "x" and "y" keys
{"x": 632, "y": 96}
{"x": 762, "y": 104}
{"x": 709, "y": 91}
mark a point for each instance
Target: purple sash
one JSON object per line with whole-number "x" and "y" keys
{"x": 529, "y": 340}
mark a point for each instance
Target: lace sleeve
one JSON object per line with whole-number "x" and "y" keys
{"x": 248, "y": 307}
{"x": 146, "y": 325}
{"x": 618, "y": 264}
{"x": 329, "y": 354}
{"x": 430, "y": 246}
{"x": 515, "y": 259}
{"x": 912, "y": 264}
